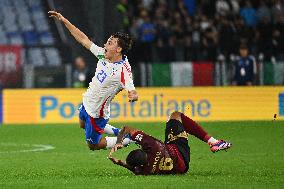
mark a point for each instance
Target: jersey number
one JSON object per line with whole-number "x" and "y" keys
{"x": 101, "y": 76}
{"x": 166, "y": 164}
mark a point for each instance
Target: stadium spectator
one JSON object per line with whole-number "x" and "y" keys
{"x": 244, "y": 68}
{"x": 278, "y": 43}
{"x": 81, "y": 74}
{"x": 263, "y": 12}
{"x": 190, "y": 6}
{"x": 183, "y": 33}
{"x": 123, "y": 15}
{"x": 226, "y": 30}
{"x": 249, "y": 14}
{"x": 263, "y": 37}
{"x": 222, "y": 7}
{"x": 278, "y": 11}
{"x": 146, "y": 36}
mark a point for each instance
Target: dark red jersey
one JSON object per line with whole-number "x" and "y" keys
{"x": 161, "y": 158}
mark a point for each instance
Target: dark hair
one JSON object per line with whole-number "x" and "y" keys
{"x": 244, "y": 47}
{"x": 124, "y": 41}
{"x": 136, "y": 158}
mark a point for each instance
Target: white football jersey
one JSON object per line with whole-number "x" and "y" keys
{"x": 110, "y": 79}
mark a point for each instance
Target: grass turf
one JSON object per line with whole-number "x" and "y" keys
{"x": 256, "y": 159}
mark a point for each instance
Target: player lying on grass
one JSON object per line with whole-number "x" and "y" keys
{"x": 113, "y": 74}
{"x": 169, "y": 157}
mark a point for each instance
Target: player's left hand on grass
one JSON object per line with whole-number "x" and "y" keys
{"x": 114, "y": 149}
{"x": 132, "y": 96}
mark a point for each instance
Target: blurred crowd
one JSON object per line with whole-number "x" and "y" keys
{"x": 190, "y": 30}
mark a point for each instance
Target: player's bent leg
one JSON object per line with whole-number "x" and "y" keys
{"x": 111, "y": 141}
{"x": 82, "y": 116}
{"x": 176, "y": 115}
{"x": 111, "y": 130}
{"x": 107, "y": 142}
{"x": 101, "y": 145}
{"x": 196, "y": 130}
{"x": 82, "y": 123}
{"x": 220, "y": 145}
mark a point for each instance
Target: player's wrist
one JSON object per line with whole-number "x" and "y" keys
{"x": 63, "y": 19}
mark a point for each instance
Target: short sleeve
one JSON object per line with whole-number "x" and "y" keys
{"x": 126, "y": 78}
{"x": 147, "y": 142}
{"x": 99, "y": 52}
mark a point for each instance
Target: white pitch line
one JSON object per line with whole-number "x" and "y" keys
{"x": 36, "y": 148}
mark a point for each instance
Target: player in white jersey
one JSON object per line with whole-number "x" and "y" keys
{"x": 113, "y": 74}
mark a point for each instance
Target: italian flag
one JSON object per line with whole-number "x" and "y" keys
{"x": 177, "y": 74}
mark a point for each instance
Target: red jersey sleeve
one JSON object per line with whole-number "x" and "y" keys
{"x": 147, "y": 142}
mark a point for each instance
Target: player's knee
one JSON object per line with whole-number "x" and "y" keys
{"x": 91, "y": 147}
{"x": 94, "y": 146}
{"x": 176, "y": 115}
{"x": 82, "y": 124}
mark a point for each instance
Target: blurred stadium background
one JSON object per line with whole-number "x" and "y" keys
{"x": 194, "y": 35}
{"x": 185, "y": 57}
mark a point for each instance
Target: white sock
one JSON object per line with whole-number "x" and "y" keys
{"x": 111, "y": 141}
{"x": 111, "y": 130}
{"x": 212, "y": 140}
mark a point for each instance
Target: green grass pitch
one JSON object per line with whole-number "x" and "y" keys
{"x": 256, "y": 159}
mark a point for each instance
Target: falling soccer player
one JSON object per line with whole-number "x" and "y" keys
{"x": 169, "y": 157}
{"x": 113, "y": 74}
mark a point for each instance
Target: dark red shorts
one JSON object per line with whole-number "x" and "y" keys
{"x": 179, "y": 164}
{"x": 181, "y": 149}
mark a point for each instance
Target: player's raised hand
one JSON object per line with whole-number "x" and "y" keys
{"x": 54, "y": 14}
{"x": 132, "y": 96}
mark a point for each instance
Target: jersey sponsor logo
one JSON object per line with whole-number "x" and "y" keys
{"x": 104, "y": 63}
{"x": 281, "y": 104}
{"x": 172, "y": 137}
{"x": 139, "y": 137}
{"x": 157, "y": 158}
{"x": 101, "y": 76}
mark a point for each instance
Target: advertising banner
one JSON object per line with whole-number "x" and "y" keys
{"x": 154, "y": 105}
{"x": 10, "y": 66}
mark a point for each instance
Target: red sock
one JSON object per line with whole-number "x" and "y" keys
{"x": 194, "y": 128}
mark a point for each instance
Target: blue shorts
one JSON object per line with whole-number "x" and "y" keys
{"x": 94, "y": 127}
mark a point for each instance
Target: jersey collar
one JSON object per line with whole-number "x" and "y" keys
{"x": 121, "y": 61}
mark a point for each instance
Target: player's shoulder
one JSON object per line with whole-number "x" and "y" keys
{"x": 126, "y": 64}
{"x": 137, "y": 135}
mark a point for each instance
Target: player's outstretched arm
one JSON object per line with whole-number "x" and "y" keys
{"x": 76, "y": 33}
{"x": 120, "y": 162}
